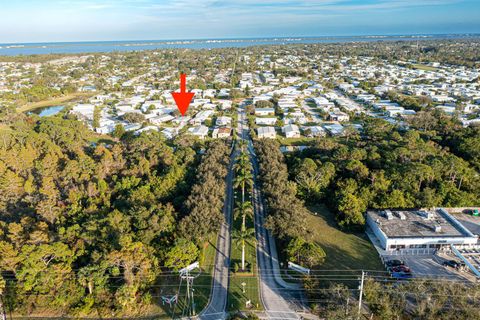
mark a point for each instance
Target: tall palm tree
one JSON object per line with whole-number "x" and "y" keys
{"x": 242, "y": 179}
{"x": 244, "y": 209}
{"x": 241, "y": 237}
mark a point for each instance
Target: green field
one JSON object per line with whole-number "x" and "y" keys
{"x": 344, "y": 250}
{"x": 424, "y": 67}
{"x": 55, "y": 101}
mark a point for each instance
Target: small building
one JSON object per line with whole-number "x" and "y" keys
{"x": 199, "y": 131}
{"x": 161, "y": 119}
{"x": 266, "y": 121}
{"x": 291, "y": 131}
{"x": 221, "y": 133}
{"x": 264, "y": 111}
{"x": 338, "y": 116}
{"x": 266, "y": 133}
{"x": 314, "y": 131}
{"x": 418, "y": 229}
{"x": 334, "y": 129}
{"x": 223, "y": 121}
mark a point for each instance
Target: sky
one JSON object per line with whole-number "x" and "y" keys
{"x": 102, "y": 20}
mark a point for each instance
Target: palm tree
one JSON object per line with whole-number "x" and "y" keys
{"x": 243, "y": 178}
{"x": 241, "y": 237}
{"x": 244, "y": 209}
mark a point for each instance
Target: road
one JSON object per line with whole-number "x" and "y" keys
{"x": 216, "y": 307}
{"x": 280, "y": 299}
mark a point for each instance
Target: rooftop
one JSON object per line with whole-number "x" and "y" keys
{"x": 418, "y": 223}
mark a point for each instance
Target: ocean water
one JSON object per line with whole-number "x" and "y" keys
{"x": 112, "y": 46}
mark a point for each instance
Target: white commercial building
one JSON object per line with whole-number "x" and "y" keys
{"x": 418, "y": 229}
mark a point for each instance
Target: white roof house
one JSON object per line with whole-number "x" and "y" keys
{"x": 84, "y": 111}
{"x": 338, "y": 116}
{"x": 264, "y": 111}
{"x": 223, "y": 121}
{"x": 314, "y": 131}
{"x": 266, "y": 133}
{"x": 161, "y": 119}
{"x": 265, "y": 121}
{"x": 199, "y": 131}
{"x": 334, "y": 129}
{"x": 291, "y": 131}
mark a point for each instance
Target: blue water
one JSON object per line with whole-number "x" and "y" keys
{"x": 48, "y": 111}
{"x": 111, "y": 46}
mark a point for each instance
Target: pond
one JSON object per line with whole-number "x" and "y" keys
{"x": 47, "y": 111}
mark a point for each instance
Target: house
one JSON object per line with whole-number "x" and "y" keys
{"x": 83, "y": 111}
{"x": 221, "y": 133}
{"x": 199, "y": 131}
{"x": 146, "y": 129}
{"x": 223, "y": 121}
{"x": 291, "y": 131}
{"x": 265, "y": 121}
{"x": 169, "y": 133}
{"x": 264, "y": 111}
{"x": 266, "y": 133}
{"x": 161, "y": 119}
{"x": 106, "y": 126}
{"x": 201, "y": 117}
{"x": 338, "y": 116}
{"x": 314, "y": 131}
{"x": 334, "y": 129}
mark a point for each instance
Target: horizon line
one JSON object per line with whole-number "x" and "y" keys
{"x": 252, "y": 38}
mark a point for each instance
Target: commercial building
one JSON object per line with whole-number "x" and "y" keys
{"x": 418, "y": 229}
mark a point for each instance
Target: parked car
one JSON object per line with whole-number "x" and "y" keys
{"x": 401, "y": 268}
{"x": 402, "y": 275}
{"x": 394, "y": 263}
{"x": 474, "y": 212}
{"x": 453, "y": 264}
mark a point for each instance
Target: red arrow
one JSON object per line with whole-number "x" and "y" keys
{"x": 183, "y": 98}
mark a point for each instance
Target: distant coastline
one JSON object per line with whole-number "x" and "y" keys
{"x": 15, "y": 49}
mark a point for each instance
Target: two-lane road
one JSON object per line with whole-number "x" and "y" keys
{"x": 280, "y": 300}
{"x": 216, "y": 307}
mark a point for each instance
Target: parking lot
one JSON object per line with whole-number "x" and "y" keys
{"x": 430, "y": 266}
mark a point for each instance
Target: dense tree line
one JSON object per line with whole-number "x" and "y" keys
{"x": 385, "y": 167}
{"x": 88, "y": 227}
{"x": 206, "y": 200}
{"x": 285, "y": 212}
{"x": 386, "y": 300}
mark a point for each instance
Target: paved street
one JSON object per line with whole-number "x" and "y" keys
{"x": 280, "y": 299}
{"x": 218, "y": 297}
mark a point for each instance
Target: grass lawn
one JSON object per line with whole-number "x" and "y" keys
{"x": 54, "y": 102}
{"x": 344, "y": 250}
{"x": 424, "y": 67}
{"x": 202, "y": 283}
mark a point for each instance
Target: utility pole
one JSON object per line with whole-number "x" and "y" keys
{"x": 360, "y": 295}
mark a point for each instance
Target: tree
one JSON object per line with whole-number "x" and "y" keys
{"x": 96, "y": 117}
{"x": 305, "y": 253}
{"x": 244, "y": 209}
{"x": 241, "y": 237}
{"x": 181, "y": 255}
{"x": 3, "y": 287}
{"x": 119, "y": 131}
